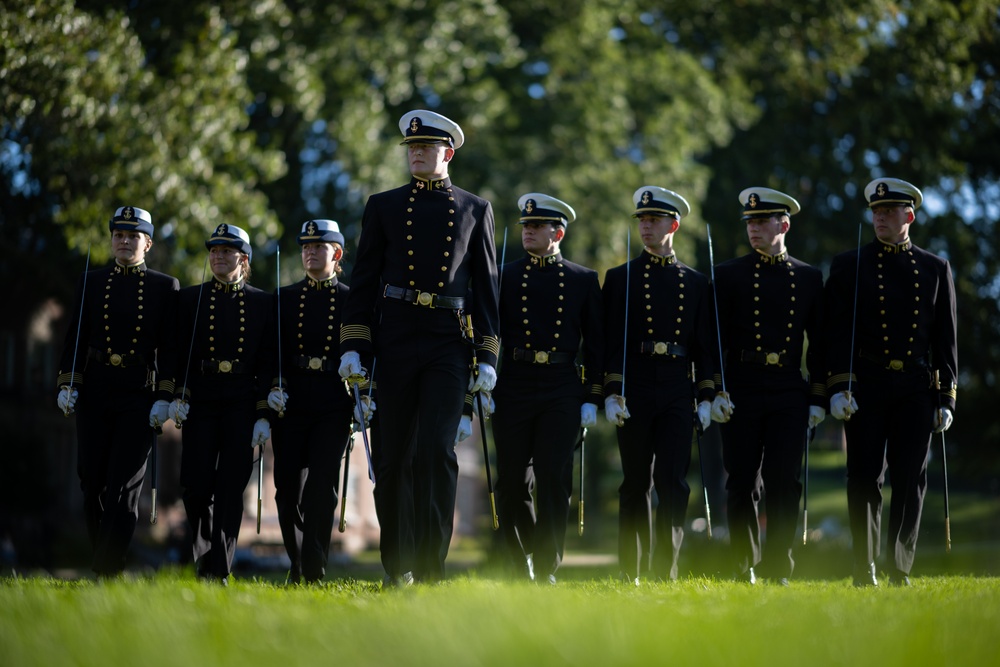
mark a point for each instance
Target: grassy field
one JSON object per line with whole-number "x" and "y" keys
{"x": 173, "y": 619}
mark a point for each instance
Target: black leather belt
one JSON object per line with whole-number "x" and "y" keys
{"x": 118, "y": 360}
{"x": 541, "y": 356}
{"x": 314, "y": 363}
{"x": 659, "y": 348}
{"x": 899, "y": 365}
{"x": 764, "y": 358}
{"x": 225, "y": 367}
{"x": 418, "y": 298}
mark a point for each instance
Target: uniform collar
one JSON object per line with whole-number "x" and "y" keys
{"x": 894, "y": 248}
{"x": 545, "y": 261}
{"x": 219, "y": 286}
{"x": 662, "y": 260}
{"x": 780, "y": 258}
{"x": 322, "y": 284}
{"x": 135, "y": 268}
{"x": 430, "y": 184}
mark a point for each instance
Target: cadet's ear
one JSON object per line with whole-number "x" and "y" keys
{"x": 338, "y": 252}
{"x": 560, "y": 232}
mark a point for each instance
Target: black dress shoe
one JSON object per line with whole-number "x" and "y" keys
{"x": 402, "y": 581}
{"x": 898, "y": 578}
{"x": 782, "y": 581}
{"x": 865, "y": 577}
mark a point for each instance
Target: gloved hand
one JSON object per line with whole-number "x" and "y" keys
{"x": 843, "y": 405}
{"x": 159, "y": 414}
{"x": 816, "y": 416}
{"x": 942, "y": 420}
{"x": 67, "y": 399}
{"x": 277, "y": 399}
{"x": 615, "y": 410}
{"x": 722, "y": 408}
{"x": 179, "y": 411}
{"x": 350, "y": 364}
{"x": 489, "y": 407}
{"x": 464, "y": 428}
{"x": 364, "y": 416}
{"x": 588, "y": 415}
{"x": 261, "y": 432}
{"x": 485, "y": 379}
{"x": 705, "y": 415}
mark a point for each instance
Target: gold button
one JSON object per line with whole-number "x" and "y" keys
{"x": 225, "y": 366}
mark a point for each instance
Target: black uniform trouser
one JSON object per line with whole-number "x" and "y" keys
{"x": 114, "y": 439}
{"x": 216, "y": 463}
{"x": 892, "y": 431}
{"x": 422, "y": 375}
{"x": 536, "y": 427}
{"x": 762, "y": 452}
{"x": 655, "y": 449}
{"x": 308, "y": 449}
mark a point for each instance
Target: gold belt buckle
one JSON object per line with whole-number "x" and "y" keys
{"x": 659, "y": 347}
{"x": 541, "y": 357}
{"x": 425, "y": 298}
{"x": 116, "y": 360}
{"x": 225, "y": 366}
{"x": 315, "y": 363}
{"x": 895, "y": 365}
{"x": 772, "y": 359}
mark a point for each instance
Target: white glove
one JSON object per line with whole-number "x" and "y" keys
{"x": 722, "y": 408}
{"x": 705, "y": 414}
{"x": 816, "y": 416}
{"x": 489, "y": 407}
{"x": 843, "y": 405}
{"x": 350, "y": 364}
{"x": 67, "y": 399}
{"x": 942, "y": 420}
{"x": 367, "y": 410}
{"x": 485, "y": 379}
{"x": 276, "y": 400}
{"x": 179, "y": 411}
{"x": 159, "y": 413}
{"x": 261, "y": 432}
{"x": 615, "y": 410}
{"x": 588, "y": 415}
{"x": 464, "y": 428}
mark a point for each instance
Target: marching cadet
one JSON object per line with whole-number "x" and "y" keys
{"x": 896, "y": 302}
{"x": 222, "y": 399}
{"x": 768, "y": 304}
{"x": 115, "y": 344}
{"x": 658, "y": 324}
{"x": 423, "y": 246}
{"x": 549, "y": 309}
{"x": 311, "y": 434}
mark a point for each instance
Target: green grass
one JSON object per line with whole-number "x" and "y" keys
{"x": 173, "y": 619}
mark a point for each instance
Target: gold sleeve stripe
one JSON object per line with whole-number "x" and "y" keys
{"x": 468, "y": 399}
{"x": 262, "y": 405}
{"x": 596, "y": 389}
{"x": 612, "y": 377}
{"x": 351, "y": 331}
{"x": 817, "y": 389}
{"x": 167, "y": 386}
{"x": 706, "y": 384}
{"x": 69, "y": 378}
{"x": 491, "y": 344}
{"x": 953, "y": 392}
{"x": 842, "y": 377}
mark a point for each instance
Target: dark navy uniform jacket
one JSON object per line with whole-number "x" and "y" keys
{"x": 765, "y": 303}
{"x": 123, "y": 331}
{"x": 548, "y": 305}
{"x": 669, "y": 318}
{"x": 310, "y": 340}
{"x": 906, "y": 314}
{"x": 431, "y": 237}
{"x": 234, "y": 353}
